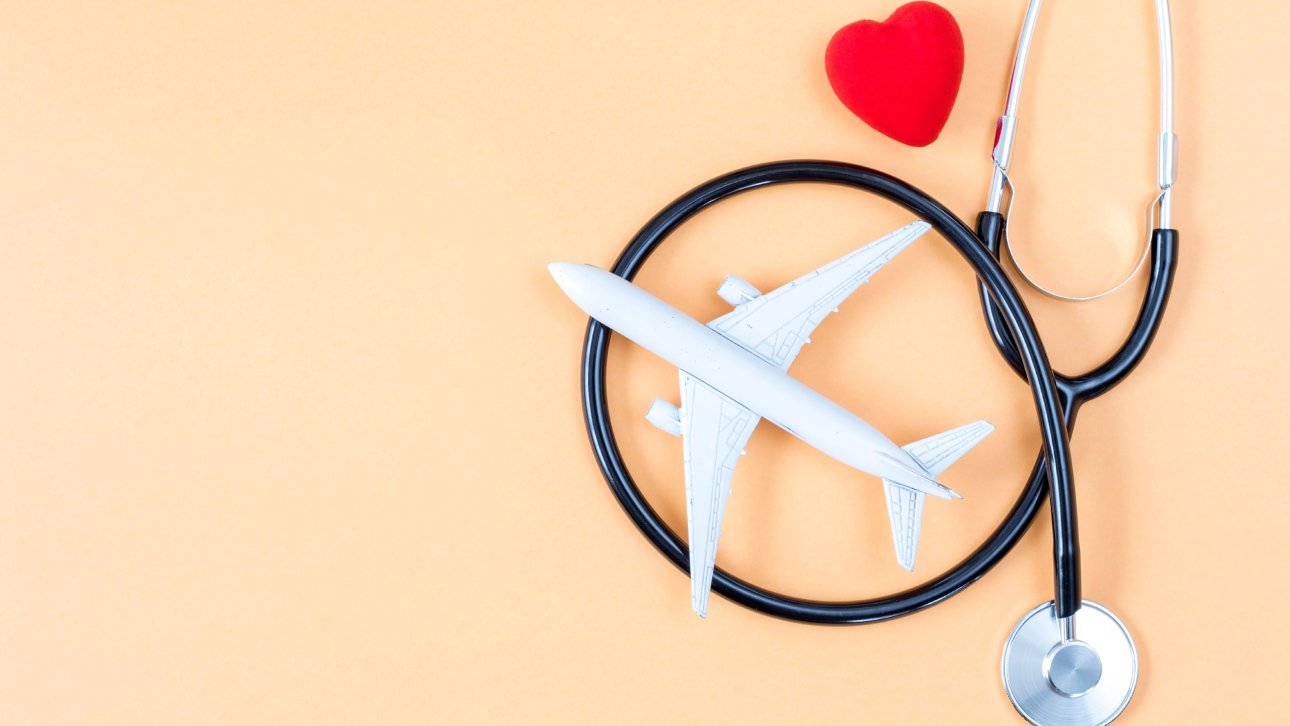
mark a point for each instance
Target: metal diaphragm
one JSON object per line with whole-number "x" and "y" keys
{"x": 1082, "y": 682}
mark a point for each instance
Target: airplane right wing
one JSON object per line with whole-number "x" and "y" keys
{"x": 714, "y": 430}
{"x": 905, "y": 505}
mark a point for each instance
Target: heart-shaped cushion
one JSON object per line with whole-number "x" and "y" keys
{"x": 900, "y": 76}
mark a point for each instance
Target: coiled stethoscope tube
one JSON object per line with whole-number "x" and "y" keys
{"x": 1010, "y": 326}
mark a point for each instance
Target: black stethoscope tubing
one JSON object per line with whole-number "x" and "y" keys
{"x": 1056, "y": 397}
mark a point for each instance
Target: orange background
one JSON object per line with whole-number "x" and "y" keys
{"x": 289, "y": 422}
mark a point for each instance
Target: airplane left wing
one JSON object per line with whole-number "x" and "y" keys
{"x": 776, "y": 325}
{"x": 714, "y": 429}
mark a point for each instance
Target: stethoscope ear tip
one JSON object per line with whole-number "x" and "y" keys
{"x": 1082, "y": 674}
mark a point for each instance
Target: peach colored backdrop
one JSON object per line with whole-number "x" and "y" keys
{"x": 289, "y": 422}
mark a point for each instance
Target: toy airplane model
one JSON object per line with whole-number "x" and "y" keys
{"x": 734, "y": 373}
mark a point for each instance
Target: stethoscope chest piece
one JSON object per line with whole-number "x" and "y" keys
{"x": 1083, "y": 678}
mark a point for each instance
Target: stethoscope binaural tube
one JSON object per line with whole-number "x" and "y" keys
{"x": 1010, "y": 313}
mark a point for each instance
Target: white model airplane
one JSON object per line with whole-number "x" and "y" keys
{"x": 734, "y": 373}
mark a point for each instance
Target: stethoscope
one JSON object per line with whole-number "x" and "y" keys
{"x": 1068, "y": 661}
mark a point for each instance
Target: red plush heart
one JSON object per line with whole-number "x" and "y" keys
{"x": 900, "y": 76}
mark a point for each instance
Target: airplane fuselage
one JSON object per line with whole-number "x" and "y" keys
{"x": 740, "y": 374}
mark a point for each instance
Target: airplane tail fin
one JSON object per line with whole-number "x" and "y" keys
{"x": 905, "y": 503}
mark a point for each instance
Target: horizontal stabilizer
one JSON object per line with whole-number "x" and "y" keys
{"x": 937, "y": 453}
{"x": 905, "y": 503}
{"x": 905, "y": 507}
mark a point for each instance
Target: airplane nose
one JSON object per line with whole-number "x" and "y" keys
{"x": 571, "y": 277}
{"x": 562, "y": 272}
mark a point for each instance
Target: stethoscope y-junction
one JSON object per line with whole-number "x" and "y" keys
{"x": 1069, "y": 661}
